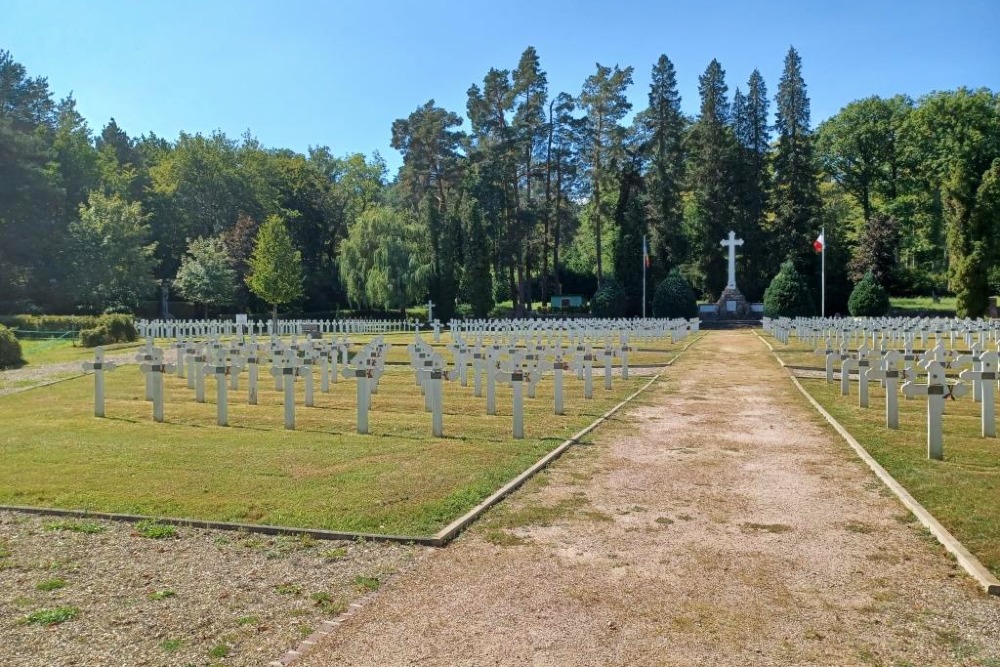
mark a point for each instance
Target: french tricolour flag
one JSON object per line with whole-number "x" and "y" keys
{"x": 819, "y": 243}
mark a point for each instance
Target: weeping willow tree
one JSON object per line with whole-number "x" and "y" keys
{"x": 384, "y": 261}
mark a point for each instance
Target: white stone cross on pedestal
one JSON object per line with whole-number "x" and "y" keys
{"x": 936, "y": 389}
{"x": 98, "y": 365}
{"x": 732, "y": 242}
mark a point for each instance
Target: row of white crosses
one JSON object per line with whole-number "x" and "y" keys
{"x": 889, "y": 366}
{"x": 498, "y": 351}
{"x": 225, "y": 363}
{"x": 178, "y": 329}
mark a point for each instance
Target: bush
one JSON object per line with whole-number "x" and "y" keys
{"x": 10, "y": 349}
{"x": 609, "y": 300}
{"x": 94, "y": 337}
{"x": 869, "y": 299}
{"x": 674, "y": 297}
{"x": 50, "y": 322}
{"x": 114, "y": 328}
{"x": 121, "y": 328}
{"x": 788, "y": 295}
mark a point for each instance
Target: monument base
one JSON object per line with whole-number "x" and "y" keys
{"x": 733, "y": 304}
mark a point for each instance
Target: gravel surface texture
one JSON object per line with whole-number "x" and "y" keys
{"x": 199, "y": 598}
{"x": 20, "y": 379}
{"x": 718, "y": 522}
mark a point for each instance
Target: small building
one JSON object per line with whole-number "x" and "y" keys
{"x": 566, "y": 301}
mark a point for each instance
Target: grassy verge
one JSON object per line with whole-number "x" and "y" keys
{"x": 903, "y": 306}
{"x": 323, "y": 475}
{"x": 41, "y": 352}
{"x": 962, "y": 492}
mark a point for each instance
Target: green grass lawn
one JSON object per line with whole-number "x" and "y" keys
{"x": 923, "y": 304}
{"x": 962, "y": 491}
{"x": 397, "y": 480}
{"x": 41, "y": 352}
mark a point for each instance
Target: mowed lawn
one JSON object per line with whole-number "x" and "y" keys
{"x": 962, "y": 491}
{"x": 396, "y": 480}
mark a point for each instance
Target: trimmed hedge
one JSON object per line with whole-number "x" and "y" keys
{"x": 110, "y": 329}
{"x": 10, "y": 349}
{"x": 50, "y": 322}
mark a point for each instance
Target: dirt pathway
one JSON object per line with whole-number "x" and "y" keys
{"x": 718, "y": 523}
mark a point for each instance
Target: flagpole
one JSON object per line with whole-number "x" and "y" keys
{"x": 823, "y": 276}
{"x": 643, "y": 260}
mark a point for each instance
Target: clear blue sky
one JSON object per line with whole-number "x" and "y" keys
{"x": 299, "y": 73}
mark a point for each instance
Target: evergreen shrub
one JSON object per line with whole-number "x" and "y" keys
{"x": 674, "y": 297}
{"x": 869, "y": 299}
{"x": 788, "y": 295}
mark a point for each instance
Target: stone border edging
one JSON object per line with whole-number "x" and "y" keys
{"x": 989, "y": 583}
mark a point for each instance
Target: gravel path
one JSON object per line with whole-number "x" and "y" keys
{"x": 201, "y": 597}
{"x": 719, "y": 523}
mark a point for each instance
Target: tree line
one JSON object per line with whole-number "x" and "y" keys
{"x": 526, "y": 195}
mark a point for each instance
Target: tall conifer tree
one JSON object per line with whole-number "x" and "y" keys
{"x": 795, "y": 198}
{"x": 662, "y": 124}
{"x": 711, "y": 146}
{"x": 604, "y": 102}
{"x": 753, "y": 181}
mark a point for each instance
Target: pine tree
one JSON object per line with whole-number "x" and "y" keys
{"x": 753, "y": 180}
{"x": 795, "y": 199}
{"x": 711, "y": 147}
{"x": 663, "y": 126}
{"x": 604, "y": 102}
{"x": 275, "y": 266}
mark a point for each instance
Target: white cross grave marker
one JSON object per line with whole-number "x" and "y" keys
{"x": 984, "y": 380}
{"x": 219, "y": 367}
{"x": 889, "y": 374}
{"x": 515, "y": 378}
{"x": 284, "y": 371}
{"x": 154, "y": 368}
{"x": 99, "y": 366}
{"x": 936, "y": 389}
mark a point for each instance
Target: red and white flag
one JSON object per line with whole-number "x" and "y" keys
{"x": 819, "y": 243}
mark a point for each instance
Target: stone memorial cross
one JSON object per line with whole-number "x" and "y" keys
{"x": 731, "y": 243}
